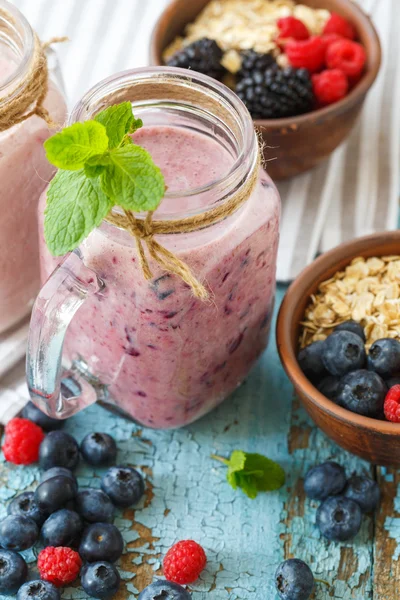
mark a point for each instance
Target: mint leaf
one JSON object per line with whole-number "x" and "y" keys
{"x": 73, "y": 146}
{"x": 132, "y": 180}
{"x": 253, "y": 473}
{"x": 75, "y": 206}
{"x": 118, "y": 121}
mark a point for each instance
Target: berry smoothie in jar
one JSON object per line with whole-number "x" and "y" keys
{"x": 151, "y": 348}
{"x": 24, "y": 170}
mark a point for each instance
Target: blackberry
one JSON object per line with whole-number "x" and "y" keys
{"x": 276, "y": 93}
{"x": 203, "y": 56}
{"x": 254, "y": 61}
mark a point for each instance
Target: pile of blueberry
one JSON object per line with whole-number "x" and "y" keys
{"x": 339, "y": 518}
{"x": 342, "y": 370}
{"x": 343, "y": 501}
{"x": 74, "y": 526}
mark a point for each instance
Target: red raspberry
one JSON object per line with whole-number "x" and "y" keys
{"x": 392, "y": 404}
{"x": 22, "y": 441}
{"x": 308, "y": 54}
{"x": 329, "y": 38}
{"x": 347, "y": 56}
{"x": 330, "y": 86}
{"x": 290, "y": 27}
{"x": 59, "y": 566}
{"x": 184, "y": 562}
{"x": 338, "y": 24}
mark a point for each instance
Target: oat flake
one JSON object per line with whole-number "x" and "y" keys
{"x": 368, "y": 291}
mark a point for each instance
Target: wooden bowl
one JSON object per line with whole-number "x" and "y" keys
{"x": 374, "y": 440}
{"x": 295, "y": 144}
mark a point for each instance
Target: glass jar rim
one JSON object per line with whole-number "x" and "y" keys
{"x": 246, "y": 157}
{"x": 23, "y": 32}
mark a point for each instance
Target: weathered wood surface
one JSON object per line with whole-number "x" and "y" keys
{"x": 187, "y": 497}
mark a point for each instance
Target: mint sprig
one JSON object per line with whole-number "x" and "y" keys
{"x": 252, "y": 473}
{"x": 100, "y": 167}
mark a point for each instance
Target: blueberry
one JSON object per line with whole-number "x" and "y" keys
{"x": 392, "y": 381}
{"x": 354, "y": 327}
{"x": 310, "y": 361}
{"x": 58, "y": 449}
{"x": 13, "y": 572}
{"x": 342, "y": 352}
{"x": 363, "y": 392}
{"x": 18, "y": 533}
{"x": 38, "y": 590}
{"x": 57, "y": 471}
{"x": 101, "y": 541}
{"x": 329, "y": 387}
{"x": 62, "y": 528}
{"x": 364, "y": 491}
{"x": 165, "y": 590}
{"x": 124, "y": 485}
{"x": 294, "y": 580}
{"x": 95, "y": 506}
{"x": 25, "y": 505}
{"x": 327, "y": 479}
{"x": 33, "y": 413}
{"x": 98, "y": 449}
{"x": 100, "y": 579}
{"x": 384, "y": 357}
{"x": 53, "y": 494}
{"x": 339, "y": 518}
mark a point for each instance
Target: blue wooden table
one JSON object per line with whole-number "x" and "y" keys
{"x": 187, "y": 496}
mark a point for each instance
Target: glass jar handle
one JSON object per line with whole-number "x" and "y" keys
{"x": 61, "y": 296}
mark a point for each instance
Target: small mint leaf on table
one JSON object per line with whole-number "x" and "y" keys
{"x": 132, "y": 180}
{"x": 118, "y": 121}
{"x": 75, "y": 145}
{"x": 75, "y": 206}
{"x": 253, "y": 473}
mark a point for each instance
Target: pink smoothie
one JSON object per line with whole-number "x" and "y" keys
{"x": 24, "y": 173}
{"x": 166, "y": 357}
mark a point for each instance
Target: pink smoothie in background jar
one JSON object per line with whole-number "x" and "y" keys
{"x": 24, "y": 173}
{"x": 165, "y": 357}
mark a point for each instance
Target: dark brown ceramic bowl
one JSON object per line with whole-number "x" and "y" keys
{"x": 295, "y": 144}
{"x": 374, "y": 440}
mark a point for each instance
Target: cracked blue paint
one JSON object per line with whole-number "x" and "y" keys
{"x": 190, "y": 497}
{"x": 392, "y": 525}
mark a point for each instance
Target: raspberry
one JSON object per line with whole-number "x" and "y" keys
{"x": 22, "y": 441}
{"x": 392, "y": 404}
{"x": 59, "y": 566}
{"x": 347, "y": 56}
{"x": 306, "y": 54}
{"x": 184, "y": 562}
{"x": 338, "y": 24}
{"x": 330, "y": 86}
{"x": 329, "y": 38}
{"x": 290, "y": 27}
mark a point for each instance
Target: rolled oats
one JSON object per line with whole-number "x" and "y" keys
{"x": 246, "y": 24}
{"x": 368, "y": 291}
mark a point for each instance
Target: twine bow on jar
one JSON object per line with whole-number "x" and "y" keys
{"x": 144, "y": 230}
{"x": 27, "y": 100}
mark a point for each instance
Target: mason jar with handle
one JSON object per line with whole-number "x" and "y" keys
{"x": 29, "y": 96}
{"x": 150, "y": 348}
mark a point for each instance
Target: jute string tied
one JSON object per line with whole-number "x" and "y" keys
{"x": 144, "y": 230}
{"x": 28, "y": 98}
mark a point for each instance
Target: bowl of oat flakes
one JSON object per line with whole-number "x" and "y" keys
{"x": 278, "y": 55}
{"x": 346, "y": 306}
